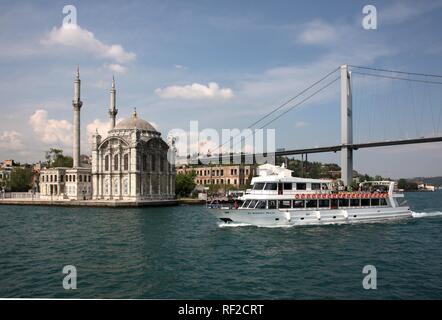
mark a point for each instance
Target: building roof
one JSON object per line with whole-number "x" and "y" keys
{"x": 134, "y": 123}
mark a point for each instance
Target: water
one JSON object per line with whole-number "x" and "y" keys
{"x": 181, "y": 252}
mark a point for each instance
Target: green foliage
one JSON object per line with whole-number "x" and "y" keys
{"x": 354, "y": 185}
{"x": 185, "y": 183}
{"x": 55, "y": 158}
{"x": 21, "y": 180}
{"x": 402, "y": 184}
{"x": 407, "y": 185}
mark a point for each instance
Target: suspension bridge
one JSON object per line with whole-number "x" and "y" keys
{"x": 347, "y": 145}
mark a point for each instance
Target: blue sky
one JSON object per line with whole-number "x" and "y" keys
{"x": 256, "y": 54}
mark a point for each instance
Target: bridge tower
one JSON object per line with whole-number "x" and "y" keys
{"x": 346, "y": 127}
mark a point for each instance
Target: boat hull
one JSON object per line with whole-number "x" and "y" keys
{"x": 265, "y": 217}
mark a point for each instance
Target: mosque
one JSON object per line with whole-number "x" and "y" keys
{"x": 132, "y": 164}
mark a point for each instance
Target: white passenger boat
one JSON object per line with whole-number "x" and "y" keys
{"x": 278, "y": 199}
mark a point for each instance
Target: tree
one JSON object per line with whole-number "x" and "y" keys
{"x": 185, "y": 183}
{"x": 407, "y": 185}
{"x": 402, "y": 184}
{"x": 20, "y": 180}
{"x": 55, "y": 158}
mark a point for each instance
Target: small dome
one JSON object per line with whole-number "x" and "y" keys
{"x": 135, "y": 123}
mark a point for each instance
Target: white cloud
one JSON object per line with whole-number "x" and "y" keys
{"x": 50, "y": 131}
{"x": 117, "y": 68}
{"x": 301, "y": 124}
{"x": 71, "y": 35}
{"x": 180, "y": 66}
{"x": 97, "y": 125}
{"x": 400, "y": 12}
{"x": 196, "y": 91}
{"x": 318, "y": 32}
{"x": 11, "y": 140}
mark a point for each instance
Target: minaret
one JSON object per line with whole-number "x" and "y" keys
{"x": 112, "y": 107}
{"x": 76, "y": 104}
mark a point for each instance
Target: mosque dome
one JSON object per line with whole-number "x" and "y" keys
{"x": 135, "y": 123}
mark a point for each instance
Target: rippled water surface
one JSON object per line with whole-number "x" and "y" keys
{"x": 181, "y": 252}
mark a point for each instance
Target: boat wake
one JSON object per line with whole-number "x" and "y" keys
{"x": 233, "y": 225}
{"x": 426, "y": 214}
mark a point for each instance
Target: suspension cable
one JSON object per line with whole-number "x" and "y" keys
{"x": 284, "y": 104}
{"x": 396, "y": 71}
{"x": 396, "y": 78}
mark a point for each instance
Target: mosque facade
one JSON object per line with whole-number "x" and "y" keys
{"x": 132, "y": 163}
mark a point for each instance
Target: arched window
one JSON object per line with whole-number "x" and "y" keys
{"x": 161, "y": 164}
{"x": 106, "y": 163}
{"x": 106, "y": 186}
{"x": 80, "y": 178}
{"x": 125, "y": 187}
{"x": 153, "y": 164}
{"x": 144, "y": 162}
{"x": 116, "y": 187}
{"x": 126, "y": 161}
{"x": 116, "y": 162}
{"x": 73, "y": 178}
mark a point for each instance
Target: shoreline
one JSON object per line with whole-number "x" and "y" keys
{"x": 90, "y": 203}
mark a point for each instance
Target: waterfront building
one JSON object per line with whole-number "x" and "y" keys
{"x": 238, "y": 175}
{"x": 69, "y": 183}
{"x": 131, "y": 163}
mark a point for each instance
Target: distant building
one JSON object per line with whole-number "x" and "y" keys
{"x": 69, "y": 183}
{"x": 426, "y": 187}
{"x": 235, "y": 175}
{"x": 7, "y": 164}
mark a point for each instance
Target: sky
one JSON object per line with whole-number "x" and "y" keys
{"x": 224, "y": 64}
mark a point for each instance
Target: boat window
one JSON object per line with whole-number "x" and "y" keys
{"x": 246, "y": 204}
{"x": 374, "y": 202}
{"x": 285, "y": 204}
{"x": 324, "y": 186}
{"x": 316, "y": 186}
{"x": 271, "y": 186}
{"x": 301, "y": 186}
{"x": 365, "y": 202}
{"x": 258, "y": 186}
{"x": 287, "y": 186}
{"x": 271, "y": 204}
{"x": 298, "y": 204}
{"x": 324, "y": 203}
{"x": 261, "y": 204}
{"x": 343, "y": 202}
{"x": 252, "y": 204}
{"x": 354, "y": 202}
{"x": 334, "y": 203}
{"x": 383, "y": 202}
{"x": 311, "y": 203}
